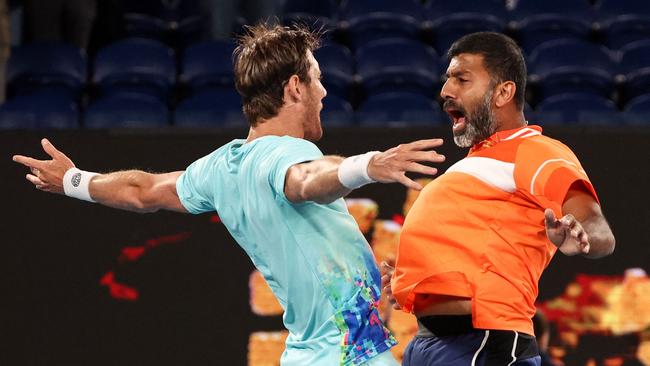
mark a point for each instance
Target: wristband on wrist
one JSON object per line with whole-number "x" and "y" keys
{"x": 75, "y": 184}
{"x": 353, "y": 171}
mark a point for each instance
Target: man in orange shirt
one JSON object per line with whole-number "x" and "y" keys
{"x": 477, "y": 239}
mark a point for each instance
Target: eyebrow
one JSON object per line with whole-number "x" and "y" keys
{"x": 457, "y": 73}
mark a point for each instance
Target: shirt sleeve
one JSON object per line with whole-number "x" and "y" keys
{"x": 546, "y": 169}
{"x": 287, "y": 152}
{"x": 193, "y": 188}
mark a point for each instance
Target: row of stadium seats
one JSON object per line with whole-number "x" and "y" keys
{"x": 221, "y": 108}
{"x": 615, "y": 22}
{"x": 395, "y": 64}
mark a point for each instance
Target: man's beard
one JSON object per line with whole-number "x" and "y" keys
{"x": 479, "y": 125}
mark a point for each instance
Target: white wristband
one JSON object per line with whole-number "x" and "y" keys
{"x": 75, "y": 184}
{"x": 353, "y": 171}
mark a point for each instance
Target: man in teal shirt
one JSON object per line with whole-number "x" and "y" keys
{"x": 280, "y": 198}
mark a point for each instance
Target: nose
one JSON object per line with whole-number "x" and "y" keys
{"x": 446, "y": 92}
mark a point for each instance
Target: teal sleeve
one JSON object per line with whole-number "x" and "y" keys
{"x": 288, "y": 152}
{"x": 193, "y": 186}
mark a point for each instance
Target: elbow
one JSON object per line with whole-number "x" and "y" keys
{"x": 140, "y": 206}
{"x": 304, "y": 195}
{"x": 604, "y": 246}
{"x": 325, "y": 200}
{"x": 140, "y": 203}
{"x": 610, "y": 244}
{"x": 296, "y": 197}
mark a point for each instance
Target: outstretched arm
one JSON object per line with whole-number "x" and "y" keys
{"x": 320, "y": 180}
{"x": 132, "y": 190}
{"x": 583, "y": 229}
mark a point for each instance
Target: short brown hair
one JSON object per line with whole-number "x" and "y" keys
{"x": 265, "y": 58}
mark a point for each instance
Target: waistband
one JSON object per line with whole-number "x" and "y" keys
{"x": 497, "y": 342}
{"x": 444, "y": 325}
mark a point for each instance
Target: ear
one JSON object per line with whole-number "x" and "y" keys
{"x": 504, "y": 93}
{"x": 292, "y": 91}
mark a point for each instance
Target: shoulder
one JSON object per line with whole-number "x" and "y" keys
{"x": 541, "y": 147}
{"x": 277, "y": 146}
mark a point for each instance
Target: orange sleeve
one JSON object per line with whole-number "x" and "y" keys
{"x": 546, "y": 169}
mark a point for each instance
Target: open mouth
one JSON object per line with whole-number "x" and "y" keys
{"x": 458, "y": 119}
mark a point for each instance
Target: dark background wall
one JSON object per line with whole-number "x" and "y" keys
{"x": 193, "y": 305}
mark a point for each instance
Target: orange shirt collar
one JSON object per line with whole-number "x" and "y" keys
{"x": 500, "y": 136}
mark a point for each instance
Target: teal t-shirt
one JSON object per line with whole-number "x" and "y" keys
{"x": 313, "y": 256}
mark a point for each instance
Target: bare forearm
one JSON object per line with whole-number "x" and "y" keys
{"x": 331, "y": 177}
{"x": 601, "y": 238}
{"x": 316, "y": 181}
{"x": 131, "y": 190}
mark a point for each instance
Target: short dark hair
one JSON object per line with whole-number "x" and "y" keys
{"x": 502, "y": 58}
{"x": 265, "y": 58}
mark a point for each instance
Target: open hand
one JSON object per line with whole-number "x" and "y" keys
{"x": 392, "y": 164}
{"x": 47, "y": 175}
{"x": 566, "y": 233}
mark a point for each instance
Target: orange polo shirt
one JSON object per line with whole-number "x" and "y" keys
{"x": 477, "y": 231}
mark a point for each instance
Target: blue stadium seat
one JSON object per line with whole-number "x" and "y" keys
{"x": 624, "y": 21}
{"x": 572, "y": 8}
{"x": 172, "y": 32}
{"x": 436, "y": 9}
{"x": 127, "y": 110}
{"x": 47, "y": 109}
{"x": 172, "y": 22}
{"x": 637, "y": 111}
{"x": 399, "y": 109}
{"x": 577, "y": 108}
{"x": 536, "y": 22}
{"x": 135, "y": 65}
{"x": 208, "y": 64}
{"x": 450, "y": 20}
{"x": 367, "y": 20}
{"x": 35, "y": 66}
{"x": 315, "y": 12}
{"x": 211, "y": 108}
{"x": 572, "y": 66}
{"x": 337, "y": 66}
{"x": 635, "y": 69}
{"x": 336, "y": 112}
{"x": 395, "y": 64}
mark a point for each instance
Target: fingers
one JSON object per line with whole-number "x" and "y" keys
{"x": 387, "y": 266}
{"x": 50, "y": 149}
{"x": 422, "y": 169}
{"x": 430, "y": 156}
{"x": 36, "y": 181}
{"x": 387, "y": 272}
{"x": 425, "y": 144}
{"x": 409, "y": 183}
{"x": 568, "y": 221}
{"x": 549, "y": 219}
{"x": 28, "y": 162}
{"x": 385, "y": 283}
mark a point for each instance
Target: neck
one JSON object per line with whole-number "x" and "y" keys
{"x": 284, "y": 124}
{"x": 510, "y": 121}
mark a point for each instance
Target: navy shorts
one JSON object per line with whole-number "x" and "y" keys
{"x": 451, "y": 341}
